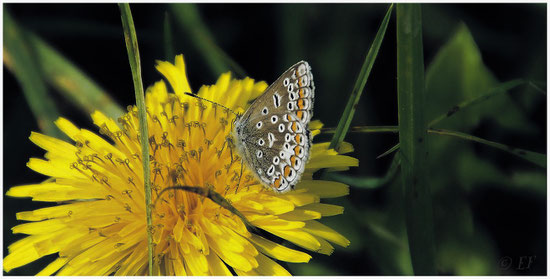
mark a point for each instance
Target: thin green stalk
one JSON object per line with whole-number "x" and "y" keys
{"x": 20, "y": 56}
{"x": 169, "y": 53}
{"x": 534, "y": 157}
{"x": 537, "y": 158}
{"x": 412, "y": 139}
{"x": 369, "y": 182}
{"x": 133, "y": 55}
{"x": 389, "y": 151}
{"x": 349, "y": 111}
{"x": 364, "y": 129}
{"x": 189, "y": 19}
{"x": 502, "y": 88}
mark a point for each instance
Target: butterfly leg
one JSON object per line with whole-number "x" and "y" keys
{"x": 240, "y": 176}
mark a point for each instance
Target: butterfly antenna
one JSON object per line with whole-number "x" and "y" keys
{"x": 201, "y": 98}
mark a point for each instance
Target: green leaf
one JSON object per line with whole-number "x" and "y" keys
{"x": 71, "y": 82}
{"x": 458, "y": 74}
{"x": 188, "y": 17}
{"x": 412, "y": 139}
{"x": 368, "y": 182}
{"x": 130, "y": 38}
{"x": 18, "y": 56}
{"x": 533, "y": 157}
{"x": 349, "y": 111}
{"x": 501, "y": 88}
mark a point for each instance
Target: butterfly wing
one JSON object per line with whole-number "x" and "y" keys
{"x": 273, "y": 134}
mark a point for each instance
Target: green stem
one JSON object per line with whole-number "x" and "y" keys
{"x": 20, "y": 57}
{"x": 133, "y": 55}
{"x": 349, "y": 111}
{"x": 534, "y": 157}
{"x": 364, "y": 129}
{"x": 412, "y": 139}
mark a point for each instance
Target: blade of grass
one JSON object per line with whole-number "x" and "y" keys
{"x": 20, "y": 56}
{"x": 534, "y": 85}
{"x": 412, "y": 139}
{"x": 133, "y": 56}
{"x": 391, "y": 150}
{"x": 347, "y": 116}
{"x": 364, "y": 129}
{"x": 537, "y": 158}
{"x": 502, "y": 88}
{"x": 534, "y": 157}
{"x": 169, "y": 53}
{"x": 71, "y": 82}
{"x": 189, "y": 19}
{"x": 369, "y": 182}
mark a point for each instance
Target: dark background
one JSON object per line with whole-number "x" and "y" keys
{"x": 265, "y": 40}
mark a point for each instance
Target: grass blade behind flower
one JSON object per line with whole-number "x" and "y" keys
{"x": 133, "y": 55}
{"x": 533, "y": 157}
{"x": 19, "y": 56}
{"x": 347, "y": 116}
{"x": 189, "y": 19}
{"x": 412, "y": 139}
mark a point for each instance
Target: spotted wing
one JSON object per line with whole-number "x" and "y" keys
{"x": 274, "y": 130}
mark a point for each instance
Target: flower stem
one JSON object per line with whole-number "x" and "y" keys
{"x": 412, "y": 139}
{"x": 133, "y": 55}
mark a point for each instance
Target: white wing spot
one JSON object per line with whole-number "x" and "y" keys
{"x": 276, "y": 100}
{"x": 271, "y": 139}
{"x": 261, "y": 142}
{"x": 274, "y": 119}
{"x": 286, "y": 82}
{"x": 271, "y": 170}
{"x": 265, "y": 111}
{"x": 259, "y": 124}
{"x": 281, "y": 128}
{"x": 259, "y": 154}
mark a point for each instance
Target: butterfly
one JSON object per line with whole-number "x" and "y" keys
{"x": 273, "y": 134}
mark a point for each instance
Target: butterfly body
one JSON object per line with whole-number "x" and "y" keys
{"x": 273, "y": 134}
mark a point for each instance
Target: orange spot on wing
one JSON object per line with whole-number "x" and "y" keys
{"x": 301, "y": 93}
{"x": 298, "y": 138}
{"x": 277, "y": 183}
{"x": 300, "y": 114}
{"x": 293, "y": 160}
{"x": 297, "y": 150}
{"x": 287, "y": 171}
{"x": 301, "y": 103}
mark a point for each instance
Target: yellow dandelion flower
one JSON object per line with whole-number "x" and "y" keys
{"x": 100, "y": 226}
